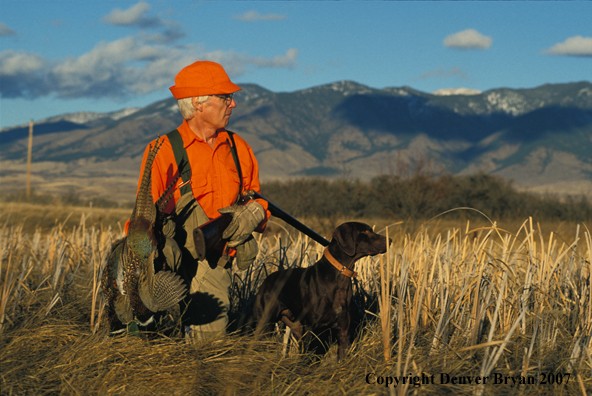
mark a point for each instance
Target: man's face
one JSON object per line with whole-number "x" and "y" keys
{"x": 217, "y": 110}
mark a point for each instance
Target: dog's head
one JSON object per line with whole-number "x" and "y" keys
{"x": 358, "y": 240}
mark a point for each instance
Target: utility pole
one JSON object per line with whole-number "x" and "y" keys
{"x": 29, "y": 154}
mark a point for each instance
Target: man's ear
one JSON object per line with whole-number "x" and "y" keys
{"x": 197, "y": 106}
{"x": 346, "y": 239}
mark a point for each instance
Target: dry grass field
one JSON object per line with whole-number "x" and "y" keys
{"x": 459, "y": 309}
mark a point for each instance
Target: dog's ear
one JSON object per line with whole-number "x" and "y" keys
{"x": 346, "y": 236}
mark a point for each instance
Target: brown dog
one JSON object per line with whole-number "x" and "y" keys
{"x": 318, "y": 298}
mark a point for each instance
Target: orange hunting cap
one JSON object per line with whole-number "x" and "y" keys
{"x": 202, "y": 78}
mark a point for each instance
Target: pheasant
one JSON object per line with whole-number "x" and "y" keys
{"x": 131, "y": 287}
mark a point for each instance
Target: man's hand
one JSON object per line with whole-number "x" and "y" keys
{"x": 245, "y": 218}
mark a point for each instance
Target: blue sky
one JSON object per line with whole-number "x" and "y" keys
{"x": 62, "y": 56}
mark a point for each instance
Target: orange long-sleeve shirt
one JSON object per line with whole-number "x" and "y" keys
{"x": 214, "y": 177}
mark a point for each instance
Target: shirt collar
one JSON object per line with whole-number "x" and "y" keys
{"x": 189, "y": 137}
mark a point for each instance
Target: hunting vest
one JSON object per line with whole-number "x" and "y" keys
{"x": 188, "y": 212}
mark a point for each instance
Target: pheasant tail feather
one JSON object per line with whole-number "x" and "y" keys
{"x": 166, "y": 290}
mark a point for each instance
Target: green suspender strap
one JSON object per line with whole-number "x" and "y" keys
{"x": 236, "y": 164}
{"x": 185, "y": 168}
{"x": 181, "y": 159}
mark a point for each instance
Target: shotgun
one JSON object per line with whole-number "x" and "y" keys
{"x": 280, "y": 214}
{"x": 208, "y": 236}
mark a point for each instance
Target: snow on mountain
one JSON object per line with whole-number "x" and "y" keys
{"x": 456, "y": 91}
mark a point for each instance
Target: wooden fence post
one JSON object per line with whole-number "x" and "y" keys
{"x": 29, "y": 154}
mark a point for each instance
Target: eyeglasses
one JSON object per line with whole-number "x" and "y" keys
{"x": 227, "y": 98}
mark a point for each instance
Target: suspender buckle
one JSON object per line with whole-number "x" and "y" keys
{"x": 184, "y": 184}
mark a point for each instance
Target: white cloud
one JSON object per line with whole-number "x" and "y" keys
{"x": 237, "y": 64}
{"x": 133, "y": 16}
{"x": 117, "y": 69}
{"x": 286, "y": 60}
{"x": 5, "y": 30}
{"x": 137, "y": 16}
{"x": 573, "y": 46}
{"x": 13, "y": 63}
{"x": 22, "y": 74}
{"x": 254, "y": 16}
{"x": 468, "y": 39}
{"x": 172, "y": 32}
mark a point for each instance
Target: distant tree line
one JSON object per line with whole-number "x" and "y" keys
{"x": 421, "y": 196}
{"x": 67, "y": 198}
{"x": 418, "y": 197}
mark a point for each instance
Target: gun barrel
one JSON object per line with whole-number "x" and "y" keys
{"x": 280, "y": 214}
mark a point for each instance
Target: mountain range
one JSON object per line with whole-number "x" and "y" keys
{"x": 541, "y": 138}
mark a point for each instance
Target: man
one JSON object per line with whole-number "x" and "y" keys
{"x": 212, "y": 178}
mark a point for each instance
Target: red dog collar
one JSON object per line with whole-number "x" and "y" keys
{"x": 341, "y": 268}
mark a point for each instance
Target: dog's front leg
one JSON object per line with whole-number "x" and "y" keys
{"x": 290, "y": 321}
{"x": 343, "y": 334}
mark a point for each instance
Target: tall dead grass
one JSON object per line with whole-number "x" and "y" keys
{"x": 462, "y": 302}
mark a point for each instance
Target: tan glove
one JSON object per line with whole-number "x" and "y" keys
{"x": 245, "y": 218}
{"x": 246, "y": 253}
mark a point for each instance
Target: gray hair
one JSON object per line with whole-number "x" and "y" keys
{"x": 186, "y": 107}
